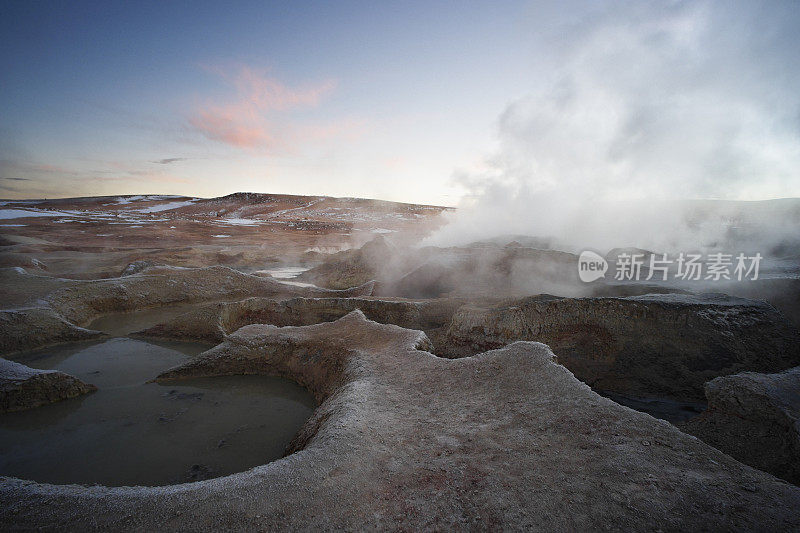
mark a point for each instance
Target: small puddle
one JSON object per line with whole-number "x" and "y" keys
{"x": 131, "y": 432}
{"x": 287, "y": 275}
{"x": 287, "y": 272}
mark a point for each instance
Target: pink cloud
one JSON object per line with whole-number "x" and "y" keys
{"x": 320, "y": 132}
{"x": 268, "y": 94}
{"x": 225, "y": 125}
{"x": 248, "y": 120}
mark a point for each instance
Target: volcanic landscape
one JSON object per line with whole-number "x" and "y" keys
{"x": 261, "y": 361}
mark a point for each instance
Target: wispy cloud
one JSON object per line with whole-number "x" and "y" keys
{"x": 249, "y": 120}
{"x": 168, "y": 160}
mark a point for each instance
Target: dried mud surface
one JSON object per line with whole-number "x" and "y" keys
{"x": 396, "y": 444}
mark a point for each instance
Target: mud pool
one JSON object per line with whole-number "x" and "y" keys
{"x": 287, "y": 274}
{"x": 284, "y": 273}
{"x": 131, "y": 432}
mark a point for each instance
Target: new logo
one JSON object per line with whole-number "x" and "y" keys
{"x": 591, "y": 266}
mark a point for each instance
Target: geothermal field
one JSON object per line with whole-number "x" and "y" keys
{"x": 263, "y": 361}
{"x": 528, "y": 265}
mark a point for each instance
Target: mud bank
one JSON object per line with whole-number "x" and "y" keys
{"x": 26, "y": 329}
{"x": 45, "y": 311}
{"x": 479, "y": 269}
{"x": 157, "y": 286}
{"x": 645, "y": 347}
{"x": 22, "y": 387}
{"x": 214, "y": 321}
{"x": 754, "y": 418}
{"x": 653, "y": 345}
{"x": 406, "y": 440}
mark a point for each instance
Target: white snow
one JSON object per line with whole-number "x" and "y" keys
{"x": 164, "y": 207}
{"x": 240, "y": 221}
{"x": 383, "y": 230}
{"x": 161, "y": 196}
{"x": 221, "y": 236}
{"x": 6, "y": 214}
{"x": 122, "y": 200}
{"x": 328, "y": 249}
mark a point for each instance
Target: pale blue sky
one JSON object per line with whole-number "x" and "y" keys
{"x": 397, "y": 101}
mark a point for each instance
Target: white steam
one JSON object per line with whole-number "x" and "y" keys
{"x": 647, "y": 104}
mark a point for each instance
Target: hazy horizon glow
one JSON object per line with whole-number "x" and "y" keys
{"x": 448, "y": 103}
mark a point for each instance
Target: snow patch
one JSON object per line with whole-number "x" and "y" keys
{"x": 122, "y": 200}
{"x": 6, "y": 214}
{"x": 240, "y": 221}
{"x": 164, "y": 207}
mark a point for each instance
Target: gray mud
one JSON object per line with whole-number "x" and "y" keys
{"x": 131, "y": 432}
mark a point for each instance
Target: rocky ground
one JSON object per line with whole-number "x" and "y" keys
{"x": 439, "y": 407}
{"x": 23, "y": 388}
{"x": 397, "y": 444}
{"x": 90, "y": 238}
{"x": 653, "y": 345}
{"x": 620, "y": 345}
{"x": 756, "y": 419}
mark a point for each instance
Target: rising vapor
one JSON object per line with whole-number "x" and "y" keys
{"x": 645, "y": 104}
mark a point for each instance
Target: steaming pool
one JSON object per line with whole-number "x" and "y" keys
{"x": 131, "y": 432}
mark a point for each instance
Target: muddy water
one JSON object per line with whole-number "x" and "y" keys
{"x": 286, "y": 272}
{"x": 131, "y": 432}
{"x": 287, "y": 275}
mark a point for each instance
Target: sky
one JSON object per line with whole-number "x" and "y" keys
{"x": 451, "y": 103}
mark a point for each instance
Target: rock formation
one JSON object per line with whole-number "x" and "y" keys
{"x": 507, "y": 439}
{"x": 754, "y": 418}
{"x": 650, "y": 346}
{"x": 137, "y": 266}
{"x": 352, "y": 267}
{"x": 51, "y": 310}
{"x": 26, "y": 329}
{"x": 22, "y": 387}
{"x": 654, "y": 345}
{"x": 157, "y": 286}
{"x": 477, "y": 270}
{"x": 212, "y": 322}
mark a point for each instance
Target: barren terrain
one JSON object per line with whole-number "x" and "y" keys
{"x": 471, "y": 387}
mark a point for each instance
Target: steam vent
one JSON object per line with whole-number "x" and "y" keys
{"x": 419, "y": 266}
